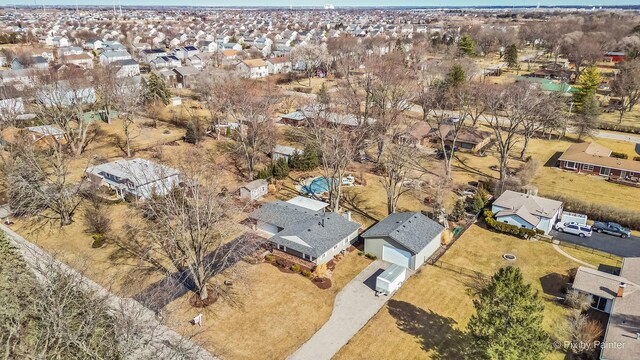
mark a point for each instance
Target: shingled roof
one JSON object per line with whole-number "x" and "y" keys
{"x": 413, "y": 230}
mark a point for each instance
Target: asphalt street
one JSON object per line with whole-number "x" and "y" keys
{"x": 615, "y": 245}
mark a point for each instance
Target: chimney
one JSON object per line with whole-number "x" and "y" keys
{"x": 347, "y": 215}
{"x": 621, "y": 289}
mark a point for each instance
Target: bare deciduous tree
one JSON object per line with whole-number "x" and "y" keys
{"x": 310, "y": 57}
{"x": 188, "y": 231}
{"x": 626, "y": 86}
{"x": 396, "y": 163}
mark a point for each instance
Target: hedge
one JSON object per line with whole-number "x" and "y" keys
{"x": 619, "y": 155}
{"x": 626, "y": 218}
{"x": 636, "y": 158}
{"x": 508, "y": 228}
{"x": 605, "y": 125}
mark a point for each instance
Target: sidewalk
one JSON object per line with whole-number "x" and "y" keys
{"x": 159, "y": 334}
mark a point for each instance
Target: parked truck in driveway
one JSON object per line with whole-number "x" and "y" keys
{"x": 611, "y": 228}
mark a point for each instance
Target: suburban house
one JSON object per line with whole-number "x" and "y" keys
{"x": 469, "y": 139}
{"x": 614, "y": 56}
{"x": 140, "y": 178}
{"x": 304, "y": 232}
{"x": 61, "y": 93}
{"x": 253, "y": 69}
{"x": 279, "y": 65}
{"x": 254, "y": 190}
{"x": 296, "y": 118}
{"x": 186, "y": 76}
{"x": 83, "y": 60}
{"x": 11, "y": 102}
{"x": 150, "y": 54}
{"x": 43, "y": 135}
{"x": 283, "y": 152}
{"x": 618, "y": 296}
{"x": 407, "y": 239}
{"x": 161, "y": 62}
{"x": 34, "y": 62}
{"x": 527, "y": 211}
{"x": 595, "y": 159}
{"x": 417, "y": 135}
{"x": 126, "y": 68}
{"x": 93, "y": 44}
{"x": 109, "y": 57}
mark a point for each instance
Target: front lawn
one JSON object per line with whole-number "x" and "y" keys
{"x": 277, "y": 313}
{"x": 427, "y": 318}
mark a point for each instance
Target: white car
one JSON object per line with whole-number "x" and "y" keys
{"x": 575, "y": 229}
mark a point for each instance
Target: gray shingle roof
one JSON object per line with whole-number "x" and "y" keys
{"x": 304, "y": 230}
{"x": 412, "y": 230}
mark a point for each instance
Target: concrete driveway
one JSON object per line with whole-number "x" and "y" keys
{"x": 355, "y": 304}
{"x": 608, "y": 243}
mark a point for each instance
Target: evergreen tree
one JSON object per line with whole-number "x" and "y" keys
{"x": 399, "y": 46}
{"x": 458, "y": 213}
{"x": 478, "y": 203}
{"x": 324, "y": 97}
{"x": 508, "y": 320}
{"x": 191, "y": 136}
{"x": 589, "y": 81}
{"x": 155, "y": 90}
{"x": 281, "y": 169}
{"x": 466, "y": 45}
{"x": 456, "y": 76}
{"x": 511, "y": 57}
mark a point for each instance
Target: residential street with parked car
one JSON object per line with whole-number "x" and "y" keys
{"x": 608, "y": 243}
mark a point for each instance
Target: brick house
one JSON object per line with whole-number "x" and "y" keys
{"x": 594, "y": 159}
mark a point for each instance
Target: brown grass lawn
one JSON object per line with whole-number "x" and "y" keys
{"x": 551, "y": 180}
{"x": 427, "y": 317}
{"x": 278, "y": 312}
{"x": 316, "y": 84}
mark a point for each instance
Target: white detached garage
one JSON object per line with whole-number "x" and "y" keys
{"x": 406, "y": 239}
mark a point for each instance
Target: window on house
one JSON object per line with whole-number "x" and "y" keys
{"x": 587, "y": 167}
{"x": 598, "y": 303}
{"x": 604, "y": 171}
{"x": 570, "y": 164}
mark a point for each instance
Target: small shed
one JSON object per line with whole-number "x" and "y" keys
{"x": 176, "y": 101}
{"x": 254, "y": 190}
{"x": 391, "y": 279}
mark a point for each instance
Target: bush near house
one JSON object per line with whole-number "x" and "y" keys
{"x": 630, "y": 219}
{"x": 619, "y": 155}
{"x": 508, "y": 228}
{"x": 636, "y": 158}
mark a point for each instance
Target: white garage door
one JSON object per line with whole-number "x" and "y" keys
{"x": 396, "y": 256}
{"x": 267, "y": 229}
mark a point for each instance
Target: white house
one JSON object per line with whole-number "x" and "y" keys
{"x": 253, "y": 69}
{"x": 165, "y": 62}
{"x": 93, "y": 44}
{"x": 527, "y": 211}
{"x": 140, "y": 178}
{"x": 10, "y": 104}
{"x": 407, "y": 239}
{"x": 126, "y": 68}
{"x": 279, "y": 65}
{"x": 254, "y": 190}
{"x": 284, "y": 152}
{"x": 107, "y": 57}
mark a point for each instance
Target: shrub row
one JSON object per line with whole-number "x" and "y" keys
{"x": 636, "y": 158}
{"x": 508, "y": 228}
{"x": 605, "y": 125}
{"x": 619, "y": 155}
{"x": 630, "y": 219}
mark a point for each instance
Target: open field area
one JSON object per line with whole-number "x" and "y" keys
{"x": 427, "y": 317}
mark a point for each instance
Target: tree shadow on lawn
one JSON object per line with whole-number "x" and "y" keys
{"x": 435, "y": 332}
{"x": 553, "y": 284}
{"x": 174, "y": 285}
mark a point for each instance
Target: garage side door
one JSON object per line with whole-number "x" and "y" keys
{"x": 396, "y": 256}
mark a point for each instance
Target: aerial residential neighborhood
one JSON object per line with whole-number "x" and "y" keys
{"x": 312, "y": 181}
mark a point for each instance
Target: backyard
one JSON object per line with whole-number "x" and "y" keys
{"x": 427, "y": 317}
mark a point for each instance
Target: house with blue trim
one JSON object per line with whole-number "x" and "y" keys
{"x": 527, "y": 211}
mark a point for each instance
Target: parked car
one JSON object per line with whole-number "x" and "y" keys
{"x": 574, "y": 228}
{"x": 611, "y": 228}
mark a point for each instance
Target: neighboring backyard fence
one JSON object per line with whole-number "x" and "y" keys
{"x": 457, "y": 233}
{"x": 458, "y": 269}
{"x": 581, "y": 248}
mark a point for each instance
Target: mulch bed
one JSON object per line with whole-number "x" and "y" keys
{"x": 196, "y": 302}
{"x": 322, "y": 282}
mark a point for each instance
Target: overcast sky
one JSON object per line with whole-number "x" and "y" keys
{"x": 322, "y": 2}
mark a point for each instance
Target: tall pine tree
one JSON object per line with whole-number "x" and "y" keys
{"x": 511, "y": 57}
{"x": 466, "y": 45}
{"x": 508, "y": 320}
{"x": 155, "y": 90}
{"x": 589, "y": 81}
